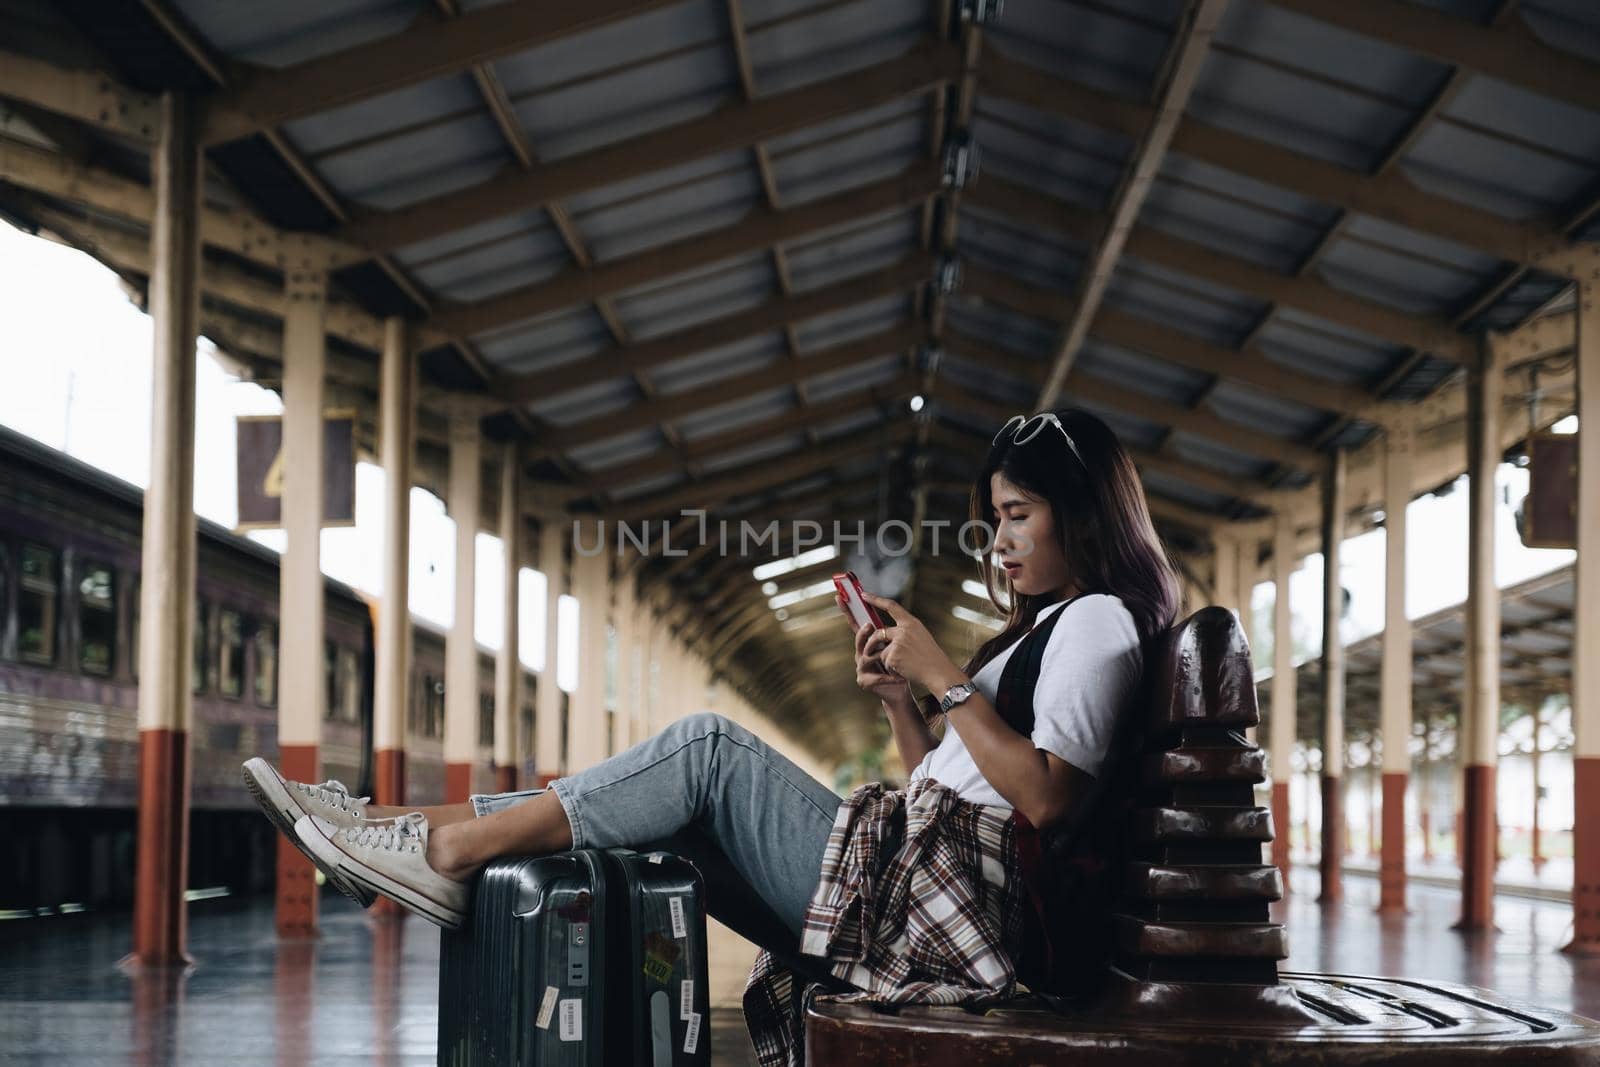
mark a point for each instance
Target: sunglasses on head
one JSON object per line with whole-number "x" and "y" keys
{"x": 1024, "y": 428}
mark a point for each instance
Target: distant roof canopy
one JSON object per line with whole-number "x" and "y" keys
{"x": 1535, "y": 660}
{"x": 703, "y": 253}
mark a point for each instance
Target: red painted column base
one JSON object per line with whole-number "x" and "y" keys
{"x": 543, "y": 779}
{"x": 297, "y": 877}
{"x": 457, "y": 783}
{"x": 160, "y": 914}
{"x": 1333, "y": 835}
{"x": 389, "y": 777}
{"x": 389, "y": 789}
{"x": 1392, "y": 864}
{"x": 1280, "y": 830}
{"x": 505, "y": 779}
{"x": 1477, "y": 849}
{"x": 1585, "y": 858}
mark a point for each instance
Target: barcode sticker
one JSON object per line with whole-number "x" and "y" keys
{"x": 572, "y": 1019}
{"x": 691, "y": 1034}
{"x": 685, "y": 999}
{"x": 679, "y": 927}
{"x": 547, "y": 1008}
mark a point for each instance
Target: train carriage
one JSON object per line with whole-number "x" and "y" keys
{"x": 69, "y": 638}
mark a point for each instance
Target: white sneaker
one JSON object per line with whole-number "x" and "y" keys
{"x": 285, "y": 802}
{"x": 391, "y": 857}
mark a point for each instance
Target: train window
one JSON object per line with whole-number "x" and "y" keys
{"x": 348, "y": 677}
{"x": 527, "y": 739}
{"x": 133, "y": 627}
{"x": 37, "y": 596}
{"x": 485, "y": 719}
{"x": 330, "y": 684}
{"x": 202, "y": 634}
{"x": 230, "y": 653}
{"x": 435, "y": 708}
{"x": 612, "y": 652}
{"x": 420, "y": 685}
{"x": 5, "y": 604}
{"x": 97, "y": 618}
{"x": 266, "y": 642}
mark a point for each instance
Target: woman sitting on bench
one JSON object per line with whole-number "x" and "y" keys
{"x": 936, "y": 867}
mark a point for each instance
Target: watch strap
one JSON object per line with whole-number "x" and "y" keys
{"x": 956, "y": 694}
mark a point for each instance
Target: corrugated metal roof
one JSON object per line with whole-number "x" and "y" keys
{"x": 637, "y": 248}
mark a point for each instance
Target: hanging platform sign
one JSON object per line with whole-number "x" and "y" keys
{"x": 1550, "y": 514}
{"x": 261, "y": 474}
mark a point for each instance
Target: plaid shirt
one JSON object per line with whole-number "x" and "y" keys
{"x": 920, "y": 901}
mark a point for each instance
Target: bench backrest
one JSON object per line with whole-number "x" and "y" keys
{"x": 1195, "y": 891}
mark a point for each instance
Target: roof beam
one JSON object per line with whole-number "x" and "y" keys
{"x": 235, "y": 231}
{"x": 1391, "y": 196}
{"x": 734, "y": 126}
{"x": 88, "y": 96}
{"x": 1191, "y": 43}
{"x": 677, "y": 405}
{"x": 1310, "y": 295}
{"x": 762, "y": 474}
{"x": 762, "y": 430}
{"x": 430, "y": 48}
{"x": 972, "y": 445}
{"x": 1141, "y": 335}
{"x": 758, "y": 230}
{"x": 1509, "y": 52}
{"x": 1143, "y": 406}
{"x": 774, "y": 314}
{"x": 673, "y": 568}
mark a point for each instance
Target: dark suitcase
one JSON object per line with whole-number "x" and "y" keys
{"x": 659, "y": 970}
{"x": 523, "y": 981}
{"x": 581, "y": 959}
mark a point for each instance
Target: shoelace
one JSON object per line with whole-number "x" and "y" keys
{"x": 333, "y": 793}
{"x": 403, "y": 833}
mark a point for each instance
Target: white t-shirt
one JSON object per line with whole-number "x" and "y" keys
{"x": 1090, "y": 670}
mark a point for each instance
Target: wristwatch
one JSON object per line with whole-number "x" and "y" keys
{"x": 956, "y": 694}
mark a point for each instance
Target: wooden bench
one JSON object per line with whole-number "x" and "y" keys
{"x": 1194, "y": 975}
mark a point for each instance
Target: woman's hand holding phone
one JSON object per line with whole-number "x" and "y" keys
{"x": 871, "y": 675}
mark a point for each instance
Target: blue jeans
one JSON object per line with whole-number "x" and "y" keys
{"x": 708, "y": 789}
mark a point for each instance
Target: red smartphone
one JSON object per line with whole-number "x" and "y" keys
{"x": 854, "y": 604}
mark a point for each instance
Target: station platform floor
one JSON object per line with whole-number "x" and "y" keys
{"x": 365, "y": 992}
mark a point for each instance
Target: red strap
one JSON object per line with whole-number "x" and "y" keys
{"x": 1030, "y": 856}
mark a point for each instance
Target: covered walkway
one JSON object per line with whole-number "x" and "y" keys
{"x": 627, "y": 282}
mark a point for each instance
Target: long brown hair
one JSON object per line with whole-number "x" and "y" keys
{"x": 1102, "y": 523}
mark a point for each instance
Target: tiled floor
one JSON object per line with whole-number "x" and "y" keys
{"x": 365, "y": 992}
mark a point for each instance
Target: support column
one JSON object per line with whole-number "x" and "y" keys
{"x": 302, "y": 668}
{"x": 1224, "y": 571}
{"x": 1586, "y": 620}
{"x": 1333, "y": 828}
{"x": 392, "y": 697}
{"x": 1281, "y": 739}
{"x": 1425, "y": 787}
{"x": 508, "y": 666}
{"x": 1480, "y": 710}
{"x": 1246, "y": 556}
{"x": 626, "y": 612}
{"x": 461, "y": 644}
{"x": 1247, "y": 552}
{"x": 1535, "y": 846}
{"x": 167, "y": 590}
{"x": 547, "y": 700}
{"x": 589, "y": 580}
{"x": 1395, "y": 679}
